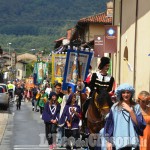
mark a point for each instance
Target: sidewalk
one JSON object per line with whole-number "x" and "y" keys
{"x": 3, "y": 123}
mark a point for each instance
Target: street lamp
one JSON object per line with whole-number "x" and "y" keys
{"x": 9, "y": 53}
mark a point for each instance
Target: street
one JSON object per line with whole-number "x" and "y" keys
{"x": 24, "y": 129}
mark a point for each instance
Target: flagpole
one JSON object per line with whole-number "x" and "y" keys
{"x": 79, "y": 80}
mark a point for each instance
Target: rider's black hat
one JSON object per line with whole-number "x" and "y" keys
{"x": 104, "y": 61}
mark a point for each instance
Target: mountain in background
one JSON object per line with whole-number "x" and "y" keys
{"x": 35, "y": 24}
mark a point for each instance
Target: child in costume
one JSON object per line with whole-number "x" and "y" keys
{"x": 70, "y": 119}
{"x": 43, "y": 99}
{"x": 50, "y": 116}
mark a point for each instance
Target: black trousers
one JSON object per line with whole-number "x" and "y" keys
{"x": 18, "y": 105}
{"x": 10, "y": 91}
{"x": 72, "y": 133}
{"x": 41, "y": 110}
{"x": 50, "y": 131}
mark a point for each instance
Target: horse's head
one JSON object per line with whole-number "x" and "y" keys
{"x": 102, "y": 97}
{"x": 98, "y": 108}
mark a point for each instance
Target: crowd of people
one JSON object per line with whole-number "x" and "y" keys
{"x": 127, "y": 120}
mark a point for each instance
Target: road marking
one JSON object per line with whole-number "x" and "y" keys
{"x": 34, "y": 147}
{"x": 26, "y": 147}
{"x": 29, "y": 148}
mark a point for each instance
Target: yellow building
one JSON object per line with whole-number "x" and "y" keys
{"x": 131, "y": 63}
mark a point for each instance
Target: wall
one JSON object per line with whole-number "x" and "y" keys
{"x": 134, "y": 38}
{"x": 128, "y": 40}
{"x": 20, "y": 68}
{"x": 143, "y": 47}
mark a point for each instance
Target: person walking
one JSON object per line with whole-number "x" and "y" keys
{"x": 48, "y": 89}
{"x": 65, "y": 98}
{"x": 144, "y": 100}
{"x": 43, "y": 99}
{"x": 70, "y": 119}
{"x": 19, "y": 93}
{"x": 58, "y": 89}
{"x": 125, "y": 120}
{"x": 34, "y": 101}
{"x": 51, "y": 116}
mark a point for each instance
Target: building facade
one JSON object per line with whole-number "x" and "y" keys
{"x": 131, "y": 62}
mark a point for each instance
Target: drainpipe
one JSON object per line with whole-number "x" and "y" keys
{"x": 119, "y": 71}
{"x": 135, "y": 45}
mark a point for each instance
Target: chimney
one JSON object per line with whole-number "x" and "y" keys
{"x": 109, "y": 9}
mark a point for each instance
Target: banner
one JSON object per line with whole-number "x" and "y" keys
{"x": 77, "y": 66}
{"x": 29, "y": 83}
{"x": 58, "y": 64}
{"x": 99, "y": 45}
{"x": 40, "y": 71}
{"x": 110, "y": 39}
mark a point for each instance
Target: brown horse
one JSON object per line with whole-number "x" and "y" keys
{"x": 98, "y": 108}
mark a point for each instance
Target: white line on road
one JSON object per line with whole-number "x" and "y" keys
{"x": 26, "y": 147}
{"x": 23, "y": 148}
{"x": 33, "y": 147}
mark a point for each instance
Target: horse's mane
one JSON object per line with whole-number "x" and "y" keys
{"x": 102, "y": 97}
{"x": 96, "y": 111}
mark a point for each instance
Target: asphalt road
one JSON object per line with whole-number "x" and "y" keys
{"x": 24, "y": 130}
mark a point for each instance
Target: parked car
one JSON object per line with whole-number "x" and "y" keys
{"x": 4, "y": 96}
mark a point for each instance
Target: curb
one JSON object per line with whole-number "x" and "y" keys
{"x": 3, "y": 123}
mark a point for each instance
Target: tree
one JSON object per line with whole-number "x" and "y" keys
{"x": 29, "y": 69}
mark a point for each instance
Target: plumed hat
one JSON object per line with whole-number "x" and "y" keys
{"x": 124, "y": 87}
{"x": 104, "y": 61}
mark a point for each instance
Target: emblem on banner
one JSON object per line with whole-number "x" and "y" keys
{"x": 111, "y": 32}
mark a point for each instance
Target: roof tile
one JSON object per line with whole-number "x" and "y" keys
{"x": 98, "y": 18}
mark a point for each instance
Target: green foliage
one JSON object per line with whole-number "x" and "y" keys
{"x": 22, "y": 44}
{"x": 36, "y": 24}
{"x": 29, "y": 69}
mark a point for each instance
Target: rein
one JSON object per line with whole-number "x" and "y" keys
{"x": 100, "y": 110}
{"x": 98, "y": 106}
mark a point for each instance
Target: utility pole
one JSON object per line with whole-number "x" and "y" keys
{"x": 9, "y": 53}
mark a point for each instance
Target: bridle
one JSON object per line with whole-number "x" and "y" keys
{"x": 100, "y": 110}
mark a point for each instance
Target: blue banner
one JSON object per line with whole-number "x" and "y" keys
{"x": 77, "y": 65}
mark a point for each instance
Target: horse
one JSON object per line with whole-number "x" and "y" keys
{"x": 98, "y": 108}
